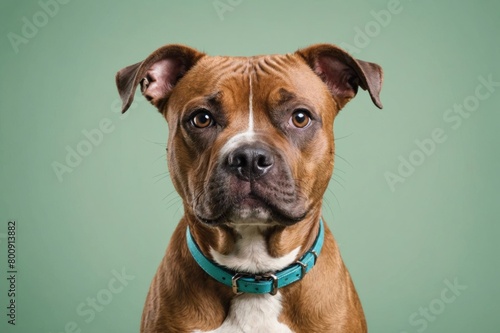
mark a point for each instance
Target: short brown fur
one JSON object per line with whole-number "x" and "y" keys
{"x": 182, "y": 298}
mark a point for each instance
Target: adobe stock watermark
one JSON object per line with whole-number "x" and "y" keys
{"x": 421, "y": 319}
{"x": 95, "y": 304}
{"x": 372, "y": 29}
{"x": 223, "y": 6}
{"x": 91, "y": 139}
{"x": 454, "y": 118}
{"x": 32, "y": 25}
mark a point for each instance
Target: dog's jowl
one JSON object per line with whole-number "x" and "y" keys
{"x": 251, "y": 152}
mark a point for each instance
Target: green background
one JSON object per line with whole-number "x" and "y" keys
{"x": 117, "y": 208}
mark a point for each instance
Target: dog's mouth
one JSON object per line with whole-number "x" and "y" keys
{"x": 256, "y": 210}
{"x": 250, "y": 209}
{"x": 252, "y": 202}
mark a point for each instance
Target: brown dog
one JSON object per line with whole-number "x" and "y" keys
{"x": 251, "y": 152}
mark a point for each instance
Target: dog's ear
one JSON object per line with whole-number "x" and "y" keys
{"x": 342, "y": 73}
{"x": 157, "y": 74}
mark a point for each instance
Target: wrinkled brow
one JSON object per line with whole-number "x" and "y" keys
{"x": 285, "y": 96}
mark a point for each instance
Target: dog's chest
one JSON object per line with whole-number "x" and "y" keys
{"x": 253, "y": 314}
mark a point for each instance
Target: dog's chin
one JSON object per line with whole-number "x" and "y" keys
{"x": 250, "y": 212}
{"x": 253, "y": 211}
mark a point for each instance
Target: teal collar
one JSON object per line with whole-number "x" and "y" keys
{"x": 267, "y": 283}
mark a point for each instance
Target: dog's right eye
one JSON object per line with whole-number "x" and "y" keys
{"x": 202, "y": 119}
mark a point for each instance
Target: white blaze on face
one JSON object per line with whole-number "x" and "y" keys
{"x": 248, "y": 134}
{"x": 250, "y": 106}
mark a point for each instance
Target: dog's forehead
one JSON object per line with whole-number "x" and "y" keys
{"x": 269, "y": 76}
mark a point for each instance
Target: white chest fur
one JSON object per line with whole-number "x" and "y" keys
{"x": 251, "y": 313}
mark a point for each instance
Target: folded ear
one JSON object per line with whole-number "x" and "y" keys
{"x": 342, "y": 73}
{"x": 157, "y": 75}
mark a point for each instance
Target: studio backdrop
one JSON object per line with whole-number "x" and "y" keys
{"x": 87, "y": 206}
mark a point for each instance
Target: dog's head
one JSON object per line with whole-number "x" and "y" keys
{"x": 250, "y": 138}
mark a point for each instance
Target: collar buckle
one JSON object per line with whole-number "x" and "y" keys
{"x": 264, "y": 277}
{"x": 313, "y": 252}
{"x": 234, "y": 282}
{"x": 274, "y": 279}
{"x": 303, "y": 268}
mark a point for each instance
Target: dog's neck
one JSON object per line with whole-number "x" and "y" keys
{"x": 250, "y": 252}
{"x": 255, "y": 248}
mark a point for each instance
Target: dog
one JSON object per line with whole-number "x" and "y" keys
{"x": 251, "y": 152}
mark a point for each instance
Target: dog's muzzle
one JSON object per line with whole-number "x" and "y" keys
{"x": 251, "y": 184}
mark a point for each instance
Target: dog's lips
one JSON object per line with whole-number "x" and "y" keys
{"x": 251, "y": 201}
{"x": 261, "y": 202}
{"x": 253, "y": 209}
{"x": 250, "y": 207}
{"x": 256, "y": 209}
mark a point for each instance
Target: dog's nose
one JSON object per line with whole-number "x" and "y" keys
{"x": 249, "y": 162}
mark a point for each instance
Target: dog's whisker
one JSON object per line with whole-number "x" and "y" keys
{"x": 344, "y": 160}
{"x": 178, "y": 209}
{"x": 330, "y": 209}
{"x": 162, "y": 156}
{"x": 170, "y": 194}
{"x": 342, "y": 137}
{"x": 338, "y": 176}
{"x": 161, "y": 174}
{"x": 341, "y": 185}
{"x": 173, "y": 202}
{"x": 337, "y": 169}
{"x": 156, "y": 143}
{"x": 334, "y": 196}
{"x": 162, "y": 178}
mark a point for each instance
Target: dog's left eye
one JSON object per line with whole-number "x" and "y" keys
{"x": 202, "y": 119}
{"x": 300, "y": 118}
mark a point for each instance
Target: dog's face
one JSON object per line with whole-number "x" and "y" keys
{"x": 247, "y": 138}
{"x": 250, "y": 139}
